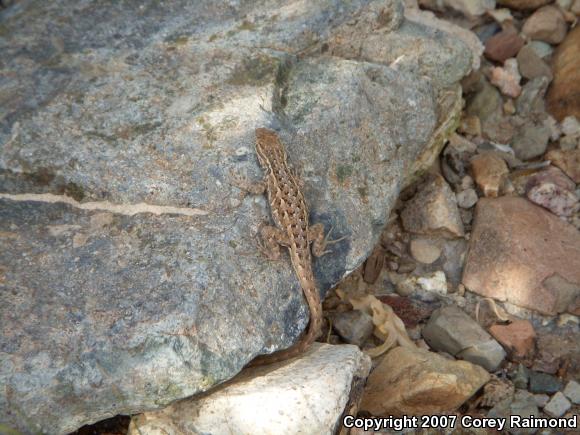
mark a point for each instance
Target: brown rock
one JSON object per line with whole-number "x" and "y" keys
{"x": 531, "y": 65}
{"x": 523, "y": 5}
{"x": 489, "y": 171}
{"x": 546, "y": 24}
{"x": 568, "y": 161}
{"x": 433, "y": 210}
{"x": 518, "y": 338}
{"x": 471, "y": 125}
{"x": 411, "y": 381}
{"x": 514, "y": 247}
{"x": 503, "y": 45}
{"x": 563, "y": 98}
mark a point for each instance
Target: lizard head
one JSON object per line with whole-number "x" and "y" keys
{"x": 269, "y": 148}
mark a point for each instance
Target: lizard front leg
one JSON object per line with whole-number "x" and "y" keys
{"x": 319, "y": 240}
{"x": 246, "y": 186}
{"x": 272, "y": 238}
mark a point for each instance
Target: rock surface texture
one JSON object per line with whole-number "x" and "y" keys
{"x": 563, "y": 98}
{"x": 129, "y": 271}
{"x": 451, "y": 330}
{"x": 411, "y": 381}
{"x": 305, "y": 395}
{"x": 525, "y": 255}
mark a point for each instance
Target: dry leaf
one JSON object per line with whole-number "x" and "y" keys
{"x": 388, "y": 326}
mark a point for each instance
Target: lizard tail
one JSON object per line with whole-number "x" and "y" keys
{"x": 314, "y": 327}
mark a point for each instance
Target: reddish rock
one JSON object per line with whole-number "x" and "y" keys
{"x": 518, "y": 338}
{"x": 563, "y": 97}
{"x": 515, "y": 248}
{"x": 568, "y": 161}
{"x": 507, "y": 79}
{"x": 546, "y": 24}
{"x": 553, "y": 190}
{"x": 503, "y": 45}
{"x": 411, "y": 311}
{"x": 489, "y": 171}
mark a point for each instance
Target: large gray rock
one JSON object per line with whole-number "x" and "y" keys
{"x": 128, "y": 263}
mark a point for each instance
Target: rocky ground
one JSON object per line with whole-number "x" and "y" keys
{"x": 469, "y": 304}
{"x": 481, "y": 259}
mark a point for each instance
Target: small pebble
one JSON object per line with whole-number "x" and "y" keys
{"x": 546, "y": 24}
{"x": 544, "y": 383}
{"x": 503, "y": 45}
{"x": 572, "y": 392}
{"x": 467, "y": 182}
{"x": 355, "y": 327}
{"x": 567, "y": 319}
{"x": 509, "y": 108}
{"x": 542, "y": 49}
{"x": 467, "y": 198}
{"x": 424, "y": 251}
{"x": 558, "y": 405}
{"x": 507, "y": 79}
{"x": 436, "y": 282}
{"x": 541, "y": 400}
{"x": 405, "y": 288}
{"x": 470, "y": 125}
{"x": 520, "y": 377}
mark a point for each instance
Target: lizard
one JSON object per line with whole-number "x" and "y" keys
{"x": 292, "y": 230}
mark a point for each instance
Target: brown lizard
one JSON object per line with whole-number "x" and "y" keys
{"x": 290, "y": 215}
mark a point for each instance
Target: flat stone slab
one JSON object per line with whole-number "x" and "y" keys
{"x": 307, "y": 394}
{"x": 523, "y": 254}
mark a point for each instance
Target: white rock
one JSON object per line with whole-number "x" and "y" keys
{"x": 572, "y": 392}
{"x": 568, "y": 319}
{"x": 501, "y": 15}
{"x": 437, "y": 282}
{"x": 555, "y": 130}
{"x": 471, "y": 8}
{"x": 558, "y": 405}
{"x": 299, "y": 396}
{"x": 571, "y": 126}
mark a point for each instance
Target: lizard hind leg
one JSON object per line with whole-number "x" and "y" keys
{"x": 272, "y": 238}
{"x": 319, "y": 240}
